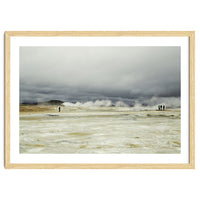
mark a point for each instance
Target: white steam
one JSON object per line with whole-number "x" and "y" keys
{"x": 97, "y": 103}
{"x": 170, "y": 102}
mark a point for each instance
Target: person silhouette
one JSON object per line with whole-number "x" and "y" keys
{"x": 59, "y": 108}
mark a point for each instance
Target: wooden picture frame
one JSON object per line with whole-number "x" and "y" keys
{"x": 191, "y": 134}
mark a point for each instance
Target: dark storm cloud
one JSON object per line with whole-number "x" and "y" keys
{"x": 85, "y": 73}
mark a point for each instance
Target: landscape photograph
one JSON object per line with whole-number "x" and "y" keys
{"x": 100, "y": 100}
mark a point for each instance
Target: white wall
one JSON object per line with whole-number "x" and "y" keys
{"x": 100, "y": 15}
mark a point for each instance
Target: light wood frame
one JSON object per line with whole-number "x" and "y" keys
{"x": 190, "y": 34}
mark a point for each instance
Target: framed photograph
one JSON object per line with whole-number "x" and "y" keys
{"x": 99, "y": 100}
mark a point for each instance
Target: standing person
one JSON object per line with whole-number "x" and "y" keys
{"x": 59, "y": 108}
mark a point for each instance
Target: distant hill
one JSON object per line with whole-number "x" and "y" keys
{"x": 51, "y": 102}
{"x": 54, "y": 102}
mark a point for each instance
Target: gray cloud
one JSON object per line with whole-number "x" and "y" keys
{"x": 89, "y": 73}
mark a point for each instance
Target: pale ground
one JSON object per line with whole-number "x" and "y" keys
{"x": 98, "y": 130}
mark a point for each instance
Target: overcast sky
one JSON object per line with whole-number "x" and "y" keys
{"x": 90, "y": 73}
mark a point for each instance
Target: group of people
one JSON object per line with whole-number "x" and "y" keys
{"x": 161, "y": 107}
